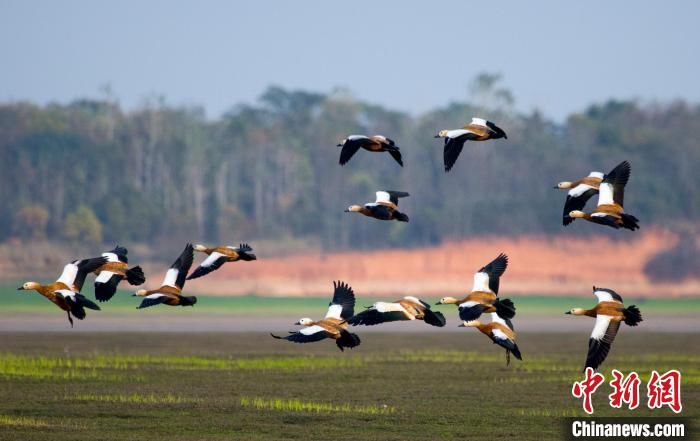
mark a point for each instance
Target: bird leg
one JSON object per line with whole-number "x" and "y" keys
{"x": 70, "y": 319}
{"x": 507, "y": 357}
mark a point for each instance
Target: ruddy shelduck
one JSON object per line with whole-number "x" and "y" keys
{"x": 407, "y": 308}
{"x": 65, "y": 292}
{"x": 170, "y": 292}
{"x": 114, "y": 271}
{"x": 608, "y": 313}
{"x": 484, "y": 295}
{"x": 500, "y": 332}
{"x": 334, "y": 325}
{"x": 477, "y": 130}
{"x": 611, "y": 194}
{"x": 220, "y": 255}
{"x": 384, "y": 208}
{"x": 375, "y": 143}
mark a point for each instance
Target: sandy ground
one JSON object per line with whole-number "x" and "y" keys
{"x": 551, "y": 265}
{"x": 194, "y": 322}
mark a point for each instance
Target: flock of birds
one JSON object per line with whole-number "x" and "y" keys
{"x": 112, "y": 266}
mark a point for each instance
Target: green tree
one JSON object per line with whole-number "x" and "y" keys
{"x": 82, "y": 224}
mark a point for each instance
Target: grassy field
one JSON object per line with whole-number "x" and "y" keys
{"x": 64, "y": 386}
{"x": 13, "y": 301}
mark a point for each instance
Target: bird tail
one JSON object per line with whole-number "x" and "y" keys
{"x": 247, "y": 257}
{"x": 347, "y": 340}
{"x": 630, "y": 222}
{"x": 434, "y": 318}
{"x": 505, "y": 308}
{"x": 135, "y": 276}
{"x": 632, "y": 315}
{"x": 401, "y": 217}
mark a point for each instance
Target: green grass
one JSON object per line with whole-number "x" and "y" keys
{"x": 404, "y": 386}
{"x": 305, "y": 406}
{"x": 13, "y": 301}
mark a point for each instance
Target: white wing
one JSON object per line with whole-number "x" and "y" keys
{"x": 111, "y": 257}
{"x": 155, "y": 296}
{"x": 104, "y": 276}
{"x": 495, "y": 318}
{"x": 481, "y": 282}
{"x": 579, "y": 190}
{"x": 598, "y": 175}
{"x": 601, "y": 326}
{"x": 356, "y": 137}
{"x": 457, "y": 133}
{"x": 334, "y": 311}
{"x": 213, "y": 257}
{"x": 388, "y": 307}
{"x": 310, "y": 330}
{"x": 497, "y": 333}
{"x": 479, "y": 122}
{"x": 468, "y": 304}
{"x": 605, "y": 194}
{"x": 66, "y": 293}
{"x": 383, "y": 196}
{"x": 70, "y": 272}
{"x": 603, "y": 296}
{"x": 171, "y": 277}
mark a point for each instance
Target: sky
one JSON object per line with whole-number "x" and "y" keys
{"x": 557, "y": 57}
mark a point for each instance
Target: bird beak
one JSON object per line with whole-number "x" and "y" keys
{"x": 437, "y": 136}
{"x": 439, "y": 303}
{"x": 346, "y": 211}
{"x": 297, "y": 323}
{"x": 134, "y": 295}
{"x": 461, "y": 325}
{"x": 567, "y": 312}
{"x": 339, "y": 145}
{"x": 21, "y": 288}
{"x": 556, "y": 187}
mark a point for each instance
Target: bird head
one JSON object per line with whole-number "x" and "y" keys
{"x": 563, "y": 185}
{"x": 470, "y": 324}
{"x": 447, "y": 301}
{"x": 29, "y": 286}
{"x": 576, "y": 214}
{"x": 441, "y": 134}
{"x": 140, "y": 293}
{"x": 353, "y": 208}
{"x": 304, "y": 321}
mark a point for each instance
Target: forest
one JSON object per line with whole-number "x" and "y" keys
{"x": 91, "y": 172}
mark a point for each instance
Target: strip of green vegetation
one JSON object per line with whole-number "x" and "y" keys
{"x": 308, "y": 406}
{"x": 134, "y": 398}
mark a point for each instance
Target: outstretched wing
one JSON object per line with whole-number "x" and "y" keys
{"x": 380, "y": 312}
{"x": 488, "y": 277}
{"x": 606, "y": 295}
{"x": 390, "y": 197}
{"x": 177, "y": 273}
{"x": 106, "y": 285}
{"x": 75, "y": 272}
{"x": 212, "y": 263}
{"x": 154, "y": 299}
{"x": 351, "y": 146}
{"x": 603, "y": 335}
{"x": 576, "y": 200}
{"x": 307, "y": 335}
{"x": 343, "y": 304}
{"x": 612, "y": 189}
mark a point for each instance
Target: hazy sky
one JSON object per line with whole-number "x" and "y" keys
{"x": 557, "y": 56}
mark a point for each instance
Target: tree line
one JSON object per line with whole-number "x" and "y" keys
{"x": 90, "y": 171}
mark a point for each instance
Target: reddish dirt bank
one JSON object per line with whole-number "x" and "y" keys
{"x": 538, "y": 265}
